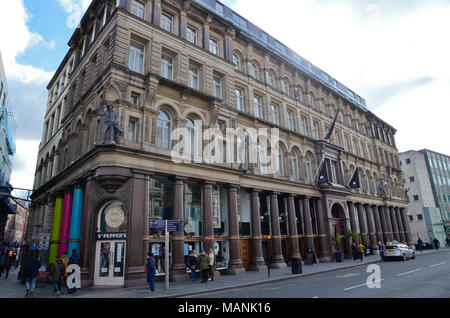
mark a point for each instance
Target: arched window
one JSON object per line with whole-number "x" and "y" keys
{"x": 237, "y": 62}
{"x": 285, "y": 87}
{"x": 191, "y": 129}
{"x": 262, "y": 158}
{"x": 254, "y": 71}
{"x": 280, "y": 162}
{"x": 294, "y": 162}
{"x": 112, "y": 218}
{"x": 163, "y": 130}
{"x": 271, "y": 80}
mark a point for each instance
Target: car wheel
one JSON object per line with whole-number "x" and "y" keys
{"x": 404, "y": 257}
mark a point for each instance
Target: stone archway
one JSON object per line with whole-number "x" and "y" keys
{"x": 339, "y": 226}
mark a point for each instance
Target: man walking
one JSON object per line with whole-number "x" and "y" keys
{"x": 32, "y": 275}
{"x": 436, "y": 243}
{"x": 150, "y": 270}
{"x": 7, "y": 264}
{"x": 420, "y": 245}
{"x": 448, "y": 242}
{"x": 57, "y": 270}
{"x": 381, "y": 249}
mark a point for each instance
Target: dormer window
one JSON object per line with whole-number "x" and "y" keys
{"x": 138, "y": 9}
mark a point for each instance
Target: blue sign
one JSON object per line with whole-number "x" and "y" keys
{"x": 34, "y": 246}
{"x": 172, "y": 225}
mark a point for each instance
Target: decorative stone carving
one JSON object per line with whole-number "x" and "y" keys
{"x": 110, "y": 122}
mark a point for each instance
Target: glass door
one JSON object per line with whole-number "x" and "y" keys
{"x": 110, "y": 263}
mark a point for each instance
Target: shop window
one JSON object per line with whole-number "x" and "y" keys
{"x": 193, "y": 212}
{"x": 159, "y": 253}
{"x": 244, "y": 217}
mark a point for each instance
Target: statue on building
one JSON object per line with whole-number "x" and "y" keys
{"x": 110, "y": 121}
{"x": 383, "y": 190}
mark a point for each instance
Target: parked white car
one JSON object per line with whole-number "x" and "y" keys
{"x": 399, "y": 251}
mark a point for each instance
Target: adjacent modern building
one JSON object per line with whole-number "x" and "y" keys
{"x": 173, "y": 64}
{"x": 7, "y": 150}
{"x": 427, "y": 179}
{"x": 17, "y": 223}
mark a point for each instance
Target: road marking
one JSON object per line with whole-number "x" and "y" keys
{"x": 347, "y": 275}
{"x": 365, "y": 284}
{"x": 437, "y": 264}
{"x": 416, "y": 270}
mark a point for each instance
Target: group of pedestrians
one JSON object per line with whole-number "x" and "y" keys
{"x": 58, "y": 272}
{"x": 205, "y": 263}
{"x": 358, "y": 251}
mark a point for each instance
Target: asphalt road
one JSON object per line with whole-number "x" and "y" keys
{"x": 427, "y": 276}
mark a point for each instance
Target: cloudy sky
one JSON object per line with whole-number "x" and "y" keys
{"x": 394, "y": 53}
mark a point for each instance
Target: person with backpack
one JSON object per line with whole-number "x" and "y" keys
{"x": 150, "y": 271}
{"x": 32, "y": 275}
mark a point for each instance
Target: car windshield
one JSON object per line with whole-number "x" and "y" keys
{"x": 391, "y": 247}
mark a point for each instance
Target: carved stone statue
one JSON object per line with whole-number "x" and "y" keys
{"x": 383, "y": 190}
{"x": 110, "y": 122}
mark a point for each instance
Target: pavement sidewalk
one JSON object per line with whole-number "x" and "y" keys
{"x": 11, "y": 287}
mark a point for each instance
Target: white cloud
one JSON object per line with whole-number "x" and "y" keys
{"x": 24, "y": 164}
{"x": 16, "y": 38}
{"x": 372, "y": 46}
{"x": 76, "y": 9}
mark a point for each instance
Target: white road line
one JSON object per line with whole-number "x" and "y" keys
{"x": 438, "y": 264}
{"x": 379, "y": 280}
{"x": 416, "y": 270}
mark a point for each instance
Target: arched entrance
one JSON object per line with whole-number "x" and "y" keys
{"x": 339, "y": 227}
{"x": 111, "y": 244}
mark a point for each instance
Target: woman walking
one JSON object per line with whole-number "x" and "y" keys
{"x": 211, "y": 264}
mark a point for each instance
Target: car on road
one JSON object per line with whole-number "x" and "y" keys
{"x": 399, "y": 251}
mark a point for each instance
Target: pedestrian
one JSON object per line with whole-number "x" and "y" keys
{"x": 355, "y": 251}
{"x": 32, "y": 274}
{"x": 57, "y": 271}
{"x": 448, "y": 242}
{"x": 211, "y": 264}
{"x": 420, "y": 245}
{"x": 193, "y": 264}
{"x": 150, "y": 271}
{"x": 381, "y": 249}
{"x": 361, "y": 251}
{"x": 2, "y": 268}
{"x": 7, "y": 264}
{"x": 203, "y": 265}
{"x": 74, "y": 259}
{"x": 65, "y": 259}
{"x": 436, "y": 243}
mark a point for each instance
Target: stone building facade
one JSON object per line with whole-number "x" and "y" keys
{"x": 165, "y": 65}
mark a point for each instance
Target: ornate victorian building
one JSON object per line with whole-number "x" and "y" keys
{"x": 164, "y": 65}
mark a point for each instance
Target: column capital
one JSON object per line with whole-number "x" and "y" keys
{"x": 233, "y": 186}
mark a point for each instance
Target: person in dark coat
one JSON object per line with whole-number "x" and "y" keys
{"x": 7, "y": 264}
{"x": 32, "y": 274}
{"x": 2, "y": 268}
{"x": 420, "y": 245}
{"x": 448, "y": 242}
{"x": 57, "y": 271}
{"x": 203, "y": 266}
{"x": 193, "y": 264}
{"x": 74, "y": 259}
{"x": 436, "y": 243}
{"x": 150, "y": 272}
{"x": 381, "y": 249}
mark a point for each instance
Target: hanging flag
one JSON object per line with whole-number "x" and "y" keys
{"x": 354, "y": 181}
{"x": 334, "y": 123}
{"x": 323, "y": 176}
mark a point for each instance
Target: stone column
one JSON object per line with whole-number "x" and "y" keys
{"x": 277, "y": 260}
{"x": 293, "y": 233}
{"x": 407, "y": 229}
{"x": 235, "y": 263}
{"x": 384, "y": 227}
{"x": 257, "y": 260}
{"x": 208, "y": 231}
{"x": 308, "y": 225}
{"x": 394, "y": 224}
{"x": 351, "y": 211}
{"x": 379, "y": 231}
{"x": 362, "y": 224}
{"x": 324, "y": 241}
{"x": 372, "y": 238}
{"x": 178, "y": 270}
{"x": 388, "y": 223}
{"x": 401, "y": 228}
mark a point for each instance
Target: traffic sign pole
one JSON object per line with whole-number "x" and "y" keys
{"x": 167, "y": 255}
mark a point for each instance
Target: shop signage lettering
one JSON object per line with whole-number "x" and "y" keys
{"x": 111, "y": 236}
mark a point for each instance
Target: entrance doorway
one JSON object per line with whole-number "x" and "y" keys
{"x": 339, "y": 227}
{"x": 110, "y": 263}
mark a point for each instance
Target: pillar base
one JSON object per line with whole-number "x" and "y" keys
{"x": 258, "y": 267}
{"x": 235, "y": 271}
{"x": 326, "y": 259}
{"x": 278, "y": 264}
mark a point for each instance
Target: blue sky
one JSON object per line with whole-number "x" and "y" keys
{"x": 390, "y": 52}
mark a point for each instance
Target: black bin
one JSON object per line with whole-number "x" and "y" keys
{"x": 296, "y": 265}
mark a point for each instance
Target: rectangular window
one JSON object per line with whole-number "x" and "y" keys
{"x": 134, "y": 99}
{"x": 408, "y": 161}
{"x": 416, "y": 198}
{"x": 138, "y": 9}
{"x": 411, "y": 179}
{"x": 217, "y": 81}
{"x": 136, "y": 57}
{"x": 316, "y": 132}
{"x": 191, "y": 35}
{"x": 239, "y": 99}
{"x": 419, "y": 216}
{"x": 290, "y": 120}
{"x": 214, "y": 46}
{"x": 304, "y": 125}
{"x": 132, "y": 130}
{"x": 167, "y": 22}
{"x": 193, "y": 77}
{"x": 258, "y": 106}
{"x": 167, "y": 67}
{"x": 410, "y": 217}
{"x": 275, "y": 115}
